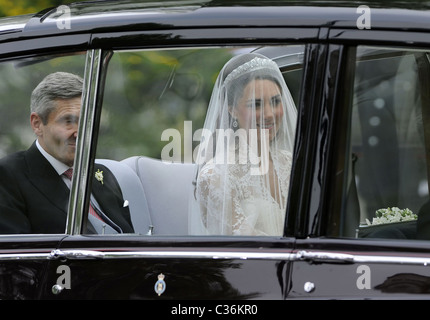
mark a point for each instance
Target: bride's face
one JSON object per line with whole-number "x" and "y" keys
{"x": 260, "y": 107}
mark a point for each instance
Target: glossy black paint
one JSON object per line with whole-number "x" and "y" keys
{"x": 196, "y": 279}
{"x": 327, "y": 30}
{"x": 186, "y": 278}
{"x": 23, "y": 278}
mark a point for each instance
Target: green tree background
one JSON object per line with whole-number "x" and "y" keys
{"x": 19, "y": 7}
{"x": 146, "y": 93}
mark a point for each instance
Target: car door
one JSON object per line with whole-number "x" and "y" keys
{"x": 366, "y": 228}
{"x": 151, "y": 91}
{"x": 24, "y": 258}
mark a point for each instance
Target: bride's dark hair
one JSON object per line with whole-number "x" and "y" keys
{"x": 235, "y": 88}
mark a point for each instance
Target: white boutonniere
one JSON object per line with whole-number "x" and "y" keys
{"x": 99, "y": 176}
{"x": 390, "y": 215}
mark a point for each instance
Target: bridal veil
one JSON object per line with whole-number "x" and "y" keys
{"x": 245, "y": 152}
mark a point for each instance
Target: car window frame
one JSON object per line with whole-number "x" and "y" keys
{"x": 322, "y": 249}
{"x": 45, "y": 48}
{"x": 335, "y": 184}
{"x": 85, "y": 151}
{"x": 187, "y": 38}
{"x": 34, "y": 252}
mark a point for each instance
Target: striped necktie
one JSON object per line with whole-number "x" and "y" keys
{"x": 69, "y": 173}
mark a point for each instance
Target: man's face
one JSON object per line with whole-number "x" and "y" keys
{"x": 58, "y": 135}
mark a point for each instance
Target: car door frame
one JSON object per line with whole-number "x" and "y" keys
{"x": 342, "y": 268}
{"x": 221, "y": 255}
{"x": 25, "y": 259}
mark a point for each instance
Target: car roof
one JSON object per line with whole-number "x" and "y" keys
{"x": 104, "y": 16}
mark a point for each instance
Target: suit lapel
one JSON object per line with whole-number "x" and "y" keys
{"x": 110, "y": 199}
{"x": 44, "y": 177}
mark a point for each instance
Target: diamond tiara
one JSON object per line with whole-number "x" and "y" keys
{"x": 254, "y": 64}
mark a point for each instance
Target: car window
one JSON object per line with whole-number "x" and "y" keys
{"x": 386, "y": 190}
{"x": 30, "y": 199}
{"x": 154, "y": 129}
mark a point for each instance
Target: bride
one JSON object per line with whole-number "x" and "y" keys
{"x": 244, "y": 159}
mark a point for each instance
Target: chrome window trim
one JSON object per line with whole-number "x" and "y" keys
{"x": 333, "y": 257}
{"x": 172, "y": 254}
{"x": 25, "y": 256}
{"x": 305, "y": 256}
{"x": 85, "y": 133}
{"x": 309, "y": 256}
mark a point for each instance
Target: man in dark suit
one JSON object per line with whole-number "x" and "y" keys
{"x": 34, "y": 192}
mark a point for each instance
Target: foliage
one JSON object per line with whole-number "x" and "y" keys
{"x": 19, "y": 7}
{"x": 19, "y": 78}
{"x": 146, "y": 93}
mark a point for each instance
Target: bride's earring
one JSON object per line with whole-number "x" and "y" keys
{"x": 235, "y": 123}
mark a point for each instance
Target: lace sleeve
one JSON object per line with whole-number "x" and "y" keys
{"x": 220, "y": 194}
{"x": 213, "y": 201}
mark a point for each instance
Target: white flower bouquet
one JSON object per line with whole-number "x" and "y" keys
{"x": 391, "y": 215}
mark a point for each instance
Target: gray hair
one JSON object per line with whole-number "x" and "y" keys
{"x": 58, "y": 85}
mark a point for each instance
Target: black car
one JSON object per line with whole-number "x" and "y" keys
{"x": 355, "y": 221}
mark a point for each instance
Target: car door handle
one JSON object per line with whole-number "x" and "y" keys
{"x": 76, "y": 254}
{"x": 328, "y": 257}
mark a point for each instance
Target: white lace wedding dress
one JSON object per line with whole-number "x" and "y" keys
{"x": 244, "y": 205}
{"x": 252, "y": 109}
